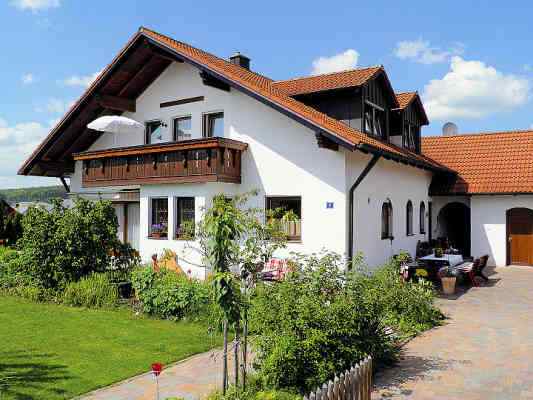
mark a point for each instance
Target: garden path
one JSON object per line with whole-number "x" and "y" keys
{"x": 191, "y": 379}
{"x": 484, "y": 350}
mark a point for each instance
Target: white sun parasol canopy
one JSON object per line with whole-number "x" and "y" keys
{"x": 116, "y": 124}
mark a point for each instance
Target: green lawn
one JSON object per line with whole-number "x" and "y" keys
{"x": 55, "y": 352}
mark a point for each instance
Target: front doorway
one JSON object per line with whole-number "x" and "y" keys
{"x": 520, "y": 236}
{"x": 454, "y": 223}
{"x": 128, "y": 215}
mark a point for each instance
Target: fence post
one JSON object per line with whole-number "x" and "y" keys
{"x": 342, "y": 387}
{"x": 370, "y": 371}
{"x": 330, "y": 391}
{"x": 358, "y": 380}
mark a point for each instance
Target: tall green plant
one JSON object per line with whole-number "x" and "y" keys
{"x": 65, "y": 244}
{"x": 236, "y": 241}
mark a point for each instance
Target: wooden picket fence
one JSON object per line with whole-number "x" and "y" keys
{"x": 352, "y": 384}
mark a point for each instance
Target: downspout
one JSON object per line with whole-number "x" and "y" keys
{"x": 357, "y": 182}
{"x": 65, "y": 185}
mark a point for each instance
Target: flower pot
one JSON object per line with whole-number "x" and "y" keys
{"x": 448, "y": 285}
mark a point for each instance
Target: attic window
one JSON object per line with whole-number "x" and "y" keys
{"x": 375, "y": 120}
{"x": 410, "y": 135}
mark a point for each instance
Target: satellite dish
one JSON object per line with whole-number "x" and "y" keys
{"x": 449, "y": 129}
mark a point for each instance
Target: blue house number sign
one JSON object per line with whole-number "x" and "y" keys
{"x": 329, "y": 204}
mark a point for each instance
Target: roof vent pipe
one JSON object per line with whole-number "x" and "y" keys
{"x": 449, "y": 129}
{"x": 240, "y": 60}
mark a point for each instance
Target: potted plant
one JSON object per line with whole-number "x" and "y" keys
{"x": 158, "y": 231}
{"x": 448, "y": 277}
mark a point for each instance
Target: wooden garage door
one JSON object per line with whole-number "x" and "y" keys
{"x": 520, "y": 236}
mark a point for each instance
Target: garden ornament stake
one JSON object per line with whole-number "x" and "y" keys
{"x": 156, "y": 371}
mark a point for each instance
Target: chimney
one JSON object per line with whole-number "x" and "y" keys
{"x": 240, "y": 60}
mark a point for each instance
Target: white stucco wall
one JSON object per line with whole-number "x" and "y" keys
{"x": 488, "y": 215}
{"x": 387, "y": 180}
{"x": 282, "y": 159}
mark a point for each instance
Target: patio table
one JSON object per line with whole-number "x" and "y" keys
{"x": 432, "y": 263}
{"x": 450, "y": 260}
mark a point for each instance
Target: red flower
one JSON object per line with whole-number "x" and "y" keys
{"x": 157, "y": 368}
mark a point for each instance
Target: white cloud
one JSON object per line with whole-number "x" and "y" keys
{"x": 55, "y": 106}
{"x": 35, "y": 5}
{"x": 339, "y": 62}
{"x": 422, "y": 52}
{"x": 27, "y": 79}
{"x": 17, "y": 142}
{"x": 472, "y": 89}
{"x": 80, "y": 80}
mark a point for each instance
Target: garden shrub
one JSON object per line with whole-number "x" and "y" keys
{"x": 408, "y": 307}
{"x": 10, "y": 224}
{"x": 93, "y": 291}
{"x": 320, "y": 320}
{"x": 167, "y": 294}
{"x": 310, "y": 326}
{"x": 254, "y": 391}
{"x": 66, "y": 244}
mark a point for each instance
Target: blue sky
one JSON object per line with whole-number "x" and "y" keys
{"x": 471, "y": 62}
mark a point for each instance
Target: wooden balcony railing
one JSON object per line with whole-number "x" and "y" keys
{"x": 190, "y": 161}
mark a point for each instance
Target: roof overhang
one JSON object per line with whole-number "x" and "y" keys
{"x": 128, "y": 75}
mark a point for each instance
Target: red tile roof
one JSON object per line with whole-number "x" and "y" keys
{"x": 405, "y": 98}
{"x": 266, "y": 90}
{"x": 487, "y": 163}
{"x": 320, "y": 83}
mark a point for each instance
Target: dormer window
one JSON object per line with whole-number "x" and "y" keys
{"x": 410, "y": 136}
{"x": 375, "y": 120}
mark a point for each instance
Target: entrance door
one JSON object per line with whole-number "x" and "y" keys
{"x": 134, "y": 219}
{"x": 520, "y": 236}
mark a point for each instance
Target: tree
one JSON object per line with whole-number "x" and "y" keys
{"x": 235, "y": 242}
{"x": 65, "y": 244}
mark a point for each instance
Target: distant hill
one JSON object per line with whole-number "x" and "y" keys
{"x": 41, "y": 194}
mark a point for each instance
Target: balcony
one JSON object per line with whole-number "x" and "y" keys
{"x": 191, "y": 161}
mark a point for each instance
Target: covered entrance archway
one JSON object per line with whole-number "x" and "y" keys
{"x": 520, "y": 236}
{"x": 454, "y": 223}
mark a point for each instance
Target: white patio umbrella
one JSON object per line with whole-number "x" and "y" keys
{"x": 116, "y": 124}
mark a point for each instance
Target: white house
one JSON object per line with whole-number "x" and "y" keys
{"x": 341, "y": 150}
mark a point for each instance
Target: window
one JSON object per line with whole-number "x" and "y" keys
{"x": 410, "y": 134}
{"x": 409, "y": 218}
{"x": 214, "y": 124}
{"x": 159, "y": 218}
{"x": 375, "y": 120}
{"x": 422, "y": 217}
{"x": 289, "y": 211}
{"x": 154, "y": 132}
{"x": 386, "y": 220}
{"x": 182, "y": 128}
{"x": 185, "y": 217}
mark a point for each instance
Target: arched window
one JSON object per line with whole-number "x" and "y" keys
{"x": 409, "y": 218}
{"x": 386, "y": 220}
{"x": 422, "y": 217}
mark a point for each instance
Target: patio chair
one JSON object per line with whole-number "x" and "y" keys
{"x": 482, "y": 264}
{"x": 469, "y": 269}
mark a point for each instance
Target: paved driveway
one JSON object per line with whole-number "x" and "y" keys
{"x": 484, "y": 351}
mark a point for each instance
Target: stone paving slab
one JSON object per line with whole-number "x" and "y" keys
{"x": 193, "y": 378}
{"x": 484, "y": 350}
